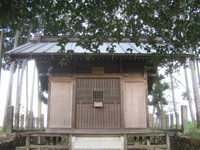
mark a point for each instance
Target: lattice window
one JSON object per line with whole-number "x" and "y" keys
{"x": 97, "y": 96}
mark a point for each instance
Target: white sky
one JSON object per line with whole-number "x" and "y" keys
{"x": 3, "y": 92}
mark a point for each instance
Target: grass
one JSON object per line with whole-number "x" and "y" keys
{"x": 194, "y": 131}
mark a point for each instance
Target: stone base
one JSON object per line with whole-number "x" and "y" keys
{"x": 21, "y": 148}
{"x": 98, "y": 143}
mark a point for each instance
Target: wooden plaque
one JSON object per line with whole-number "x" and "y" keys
{"x": 98, "y": 104}
{"x": 98, "y": 70}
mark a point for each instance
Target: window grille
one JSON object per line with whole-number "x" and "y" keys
{"x": 97, "y": 96}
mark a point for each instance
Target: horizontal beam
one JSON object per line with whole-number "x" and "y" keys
{"x": 146, "y": 146}
{"x": 151, "y": 74}
{"x": 43, "y": 74}
{"x": 50, "y": 146}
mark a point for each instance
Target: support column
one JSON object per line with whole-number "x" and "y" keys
{"x": 184, "y": 117}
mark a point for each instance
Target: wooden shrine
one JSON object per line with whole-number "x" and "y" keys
{"x": 105, "y": 96}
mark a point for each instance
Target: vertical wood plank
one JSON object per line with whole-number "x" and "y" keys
{"x": 39, "y": 141}
{"x": 167, "y": 141}
{"x": 125, "y": 141}
{"x": 70, "y": 142}
{"x": 28, "y": 141}
{"x": 148, "y": 142}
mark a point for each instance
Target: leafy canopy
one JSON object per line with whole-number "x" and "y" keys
{"x": 159, "y": 88}
{"x": 104, "y": 19}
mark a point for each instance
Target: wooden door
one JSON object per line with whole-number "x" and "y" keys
{"x": 135, "y": 96}
{"x": 61, "y": 104}
{"x": 106, "y": 91}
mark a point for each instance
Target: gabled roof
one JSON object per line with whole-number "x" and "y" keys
{"x": 45, "y": 46}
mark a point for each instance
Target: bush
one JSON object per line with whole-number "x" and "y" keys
{"x": 194, "y": 132}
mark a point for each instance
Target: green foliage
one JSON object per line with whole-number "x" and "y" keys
{"x": 194, "y": 131}
{"x": 159, "y": 88}
{"x": 116, "y": 19}
{"x": 42, "y": 98}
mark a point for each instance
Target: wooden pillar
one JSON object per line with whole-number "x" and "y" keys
{"x": 125, "y": 141}
{"x": 167, "y": 141}
{"x": 28, "y": 141}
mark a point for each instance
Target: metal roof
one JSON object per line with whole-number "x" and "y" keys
{"x": 52, "y": 48}
{"x": 44, "y": 45}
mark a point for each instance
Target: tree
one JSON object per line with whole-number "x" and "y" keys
{"x": 127, "y": 18}
{"x": 158, "y": 96}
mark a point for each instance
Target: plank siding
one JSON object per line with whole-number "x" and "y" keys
{"x": 106, "y": 117}
{"x": 85, "y": 88}
{"x": 61, "y": 104}
{"x": 135, "y": 104}
{"x": 88, "y": 116}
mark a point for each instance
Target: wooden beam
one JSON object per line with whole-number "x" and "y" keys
{"x": 43, "y": 74}
{"x": 146, "y": 146}
{"x": 50, "y": 146}
{"x": 149, "y": 74}
{"x": 28, "y": 141}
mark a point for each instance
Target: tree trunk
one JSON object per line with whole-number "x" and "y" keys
{"x": 173, "y": 95}
{"x": 16, "y": 123}
{"x": 39, "y": 102}
{"x": 26, "y": 122}
{"x": 195, "y": 89}
{"x": 18, "y": 99}
{"x": 32, "y": 89}
{"x": 16, "y": 38}
{"x": 9, "y": 95}
{"x": 39, "y": 23}
{"x": 21, "y": 36}
{"x": 1, "y": 46}
{"x": 188, "y": 95}
{"x": 153, "y": 113}
{"x": 29, "y": 32}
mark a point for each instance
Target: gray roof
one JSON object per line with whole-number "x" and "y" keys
{"x": 51, "y": 47}
{"x": 46, "y": 46}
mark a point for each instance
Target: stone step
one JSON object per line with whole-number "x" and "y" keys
{"x": 21, "y": 148}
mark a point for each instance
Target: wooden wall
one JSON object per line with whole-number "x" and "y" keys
{"x": 61, "y": 105}
{"x": 134, "y": 67}
{"x": 108, "y": 116}
{"x": 135, "y": 104}
{"x": 124, "y": 86}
